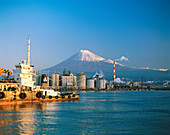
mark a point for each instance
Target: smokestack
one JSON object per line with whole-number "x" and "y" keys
{"x": 28, "y": 60}
{"x": 123, "y": 58}
{"x": 114, "y": 74}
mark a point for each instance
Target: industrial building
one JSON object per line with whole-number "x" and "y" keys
{"x": 55, "y": 80}
{"x": 81, "y": 80}
{"x": 90, "y": 83}
{"x": 68, "y": 80}
{"x": 45, "y": 81}
{"x": 110, "y": 85}
{"x": 100, "y": 83}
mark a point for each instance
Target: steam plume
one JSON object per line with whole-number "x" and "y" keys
{"x": 100, "y": 73}
{"x": 123, "y": 58}
{"x": 118, "y": 80}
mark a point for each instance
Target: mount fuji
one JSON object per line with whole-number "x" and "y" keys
{"x": 90, "y": 63}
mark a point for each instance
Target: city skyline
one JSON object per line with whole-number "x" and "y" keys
{"x": 138, "y": 30}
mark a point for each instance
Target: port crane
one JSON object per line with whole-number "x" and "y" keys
{"x": 2, "y": 70}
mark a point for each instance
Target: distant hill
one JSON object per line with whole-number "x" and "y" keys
{"x": 90, "y": 63}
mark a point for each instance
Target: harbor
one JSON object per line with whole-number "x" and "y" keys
{"x": 27, "y": 85}
{"x": 80, "y": 82}
{"x": 22, "y": 89}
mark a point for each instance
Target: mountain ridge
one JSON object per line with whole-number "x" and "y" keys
{"x": 90, "y": 63}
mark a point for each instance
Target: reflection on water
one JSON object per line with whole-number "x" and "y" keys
{"x": 18, "y": 117}
{"x": 95, "y": 113}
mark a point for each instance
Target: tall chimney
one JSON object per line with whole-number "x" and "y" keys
{"x": 28, "y": 60}
{"x": 114, "y": 74}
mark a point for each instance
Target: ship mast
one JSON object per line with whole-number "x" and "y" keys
{"x": 28, "y": 60}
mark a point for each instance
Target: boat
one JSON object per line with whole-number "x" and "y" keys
{"x": 22, "y": 88}
{"x": 52, "y": 95}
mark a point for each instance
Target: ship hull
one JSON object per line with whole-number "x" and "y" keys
{"x": 14, "y": 102}
{"x": 21, "y": 97}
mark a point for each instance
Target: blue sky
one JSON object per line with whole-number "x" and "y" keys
{"x": 137, "y": 29}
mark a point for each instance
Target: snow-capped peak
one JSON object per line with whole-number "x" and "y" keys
{"x": 85, "y": 55}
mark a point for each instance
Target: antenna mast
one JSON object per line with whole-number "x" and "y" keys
{"x": 28, "y": 60}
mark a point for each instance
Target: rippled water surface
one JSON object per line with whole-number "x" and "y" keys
{"x": 120, "y": 112}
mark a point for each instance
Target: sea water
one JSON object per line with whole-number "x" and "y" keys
{"x": 110, "y": 112}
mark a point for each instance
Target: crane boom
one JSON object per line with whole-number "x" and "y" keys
{"x": 2, "y": 70}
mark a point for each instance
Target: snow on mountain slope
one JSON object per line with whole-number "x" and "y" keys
{"x": 85, "y": 55}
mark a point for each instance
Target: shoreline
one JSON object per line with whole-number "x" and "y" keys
{"x": 127, "y": 89}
